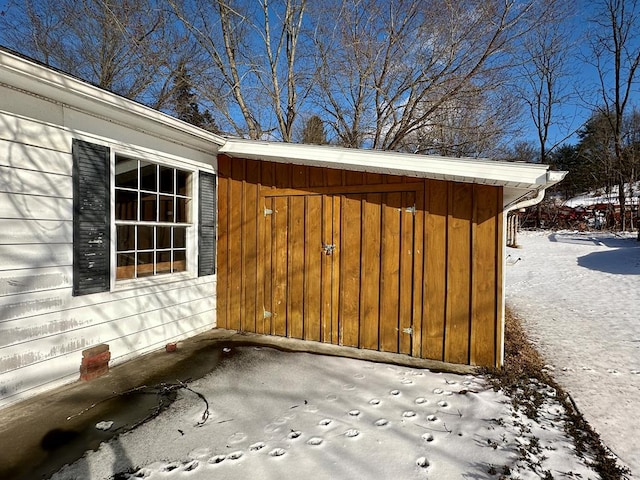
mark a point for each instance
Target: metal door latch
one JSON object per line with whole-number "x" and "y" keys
{"x": 328, "y": 248}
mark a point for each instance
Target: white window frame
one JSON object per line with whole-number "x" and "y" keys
{"x": 191, "y": 240}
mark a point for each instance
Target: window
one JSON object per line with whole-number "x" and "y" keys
{"x": 154, "y": 219}
{"x": 152, "y": 215}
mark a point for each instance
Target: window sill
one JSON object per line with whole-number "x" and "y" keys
{"x": 122, "y": 285}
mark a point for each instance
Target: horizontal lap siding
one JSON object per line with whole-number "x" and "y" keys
{"x": 43, "y": 328}
{"x": 454, "y": 302}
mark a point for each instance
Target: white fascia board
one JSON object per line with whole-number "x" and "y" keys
{"x": 27, "y": 76}
{"x": 486, "y": 172}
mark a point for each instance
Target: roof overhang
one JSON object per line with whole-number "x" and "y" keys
{"x": 22, "y": 74}
{"x": 519, "y": 180}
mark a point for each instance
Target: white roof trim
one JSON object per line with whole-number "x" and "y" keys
{"x": 28, "y": 76}
{"x": 520, "y": 176}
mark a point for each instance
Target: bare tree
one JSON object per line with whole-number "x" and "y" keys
{"x": 544, "y": 80}
{"x": 125, "y": 46}
{"x": 256, "y": 77}
{"x": 396, "y": 74}
{"x": 616, "y": 56}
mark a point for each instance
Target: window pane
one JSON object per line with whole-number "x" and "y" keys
{"x": 166, "y": 179}
{"x": 182, "y": 181}
{"x": 126, "y": 205}
{"x": 164, "y": 263}
{"x": 166, "y": 209}
{"x": 126, "y": 172}
{"x": 163, "y": 237}
{"x": 182, "y": 210}
{"x": 126, "y": 237}
{"x": 179, "y": 237}
{"x": 145, "y": 238}
{"x": 179, "y": 261}
{"x": 145, "y": 264}
{"x": 126, "y": 266}
{"x": 148, "y": 176}
{"x": 148, "y": 207}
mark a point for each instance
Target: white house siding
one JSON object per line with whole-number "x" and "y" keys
{"x": 43, "y": 328}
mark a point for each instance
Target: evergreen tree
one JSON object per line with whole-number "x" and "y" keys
{"x": 313, "y": 131}
{"x": 185, "y": 103}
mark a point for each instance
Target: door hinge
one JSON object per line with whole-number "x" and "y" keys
{"x": 411, "y": 209}
{"x": 267, "y": 314}
{"x": 267, "y": 211}
{"x": 408, "y": 330}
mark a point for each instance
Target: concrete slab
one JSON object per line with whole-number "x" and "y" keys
{"x": 41, "y": 434}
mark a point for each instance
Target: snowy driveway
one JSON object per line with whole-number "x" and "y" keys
{"x": 579, "y": 297}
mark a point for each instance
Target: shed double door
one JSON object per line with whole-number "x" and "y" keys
{"x": 340, "y": 267}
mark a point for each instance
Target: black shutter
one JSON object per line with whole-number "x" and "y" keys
{"x": 207, "y": 225}
{"x": 91, "y": 218}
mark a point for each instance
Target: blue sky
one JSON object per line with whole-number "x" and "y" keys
{"x": 583, "y": 76}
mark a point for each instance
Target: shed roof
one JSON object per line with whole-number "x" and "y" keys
{"x": 518, "y": 179}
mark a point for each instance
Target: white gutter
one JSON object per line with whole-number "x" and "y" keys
{"x": 553, "y": 177}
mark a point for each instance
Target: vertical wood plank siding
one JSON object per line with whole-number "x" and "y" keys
{"x": 373, "y": 261}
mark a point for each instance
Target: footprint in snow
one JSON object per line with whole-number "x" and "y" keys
{"x": 635, "y": 372}
{"x": 257, "y": 446}
{"x": 315, "y": 441}
{"x": 277, "y": 452}
{"x": 325, "y": 422}
{"x": 427, "y": 437}
{"x": 272, "y": 428}
{"x": 235, "y": 455}
{"x": 438, "y": 391}
{"x": 422, "y": 462}
{"x": 374, "y": 401}
{"x": 191, "y": 466}
{"x": 217, "y": 459}
{"x": 238, "y": 437}
{"x": 432, "y": 418}
{"x": 199, "y": 453}
{"x": 359, "y": 376}
{"x": 406, "y": 381}
{"x": 381, "y": 422}
{"x": 294, "y": 434}
{"x": 443, "y": 404}
{"x": 409, "y": 414}
{"x": 420, "y": 401}
{"x": 348, "y": 386}
{"x": 354, "y": 413}
{"x": 395, "y": 393}
{"x": 331, "y": 397}
{"x": 613, "y": 371}
{"x": 352, "y": 432}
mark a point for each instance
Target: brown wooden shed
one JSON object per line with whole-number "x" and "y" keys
{"x": 376, "y": 250}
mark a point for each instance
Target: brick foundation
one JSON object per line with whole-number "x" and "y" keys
{"x": 95, "y": 362}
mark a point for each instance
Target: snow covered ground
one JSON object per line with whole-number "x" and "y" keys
{"x": 578, "y": 295}
{"x": 276, "y": 415}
